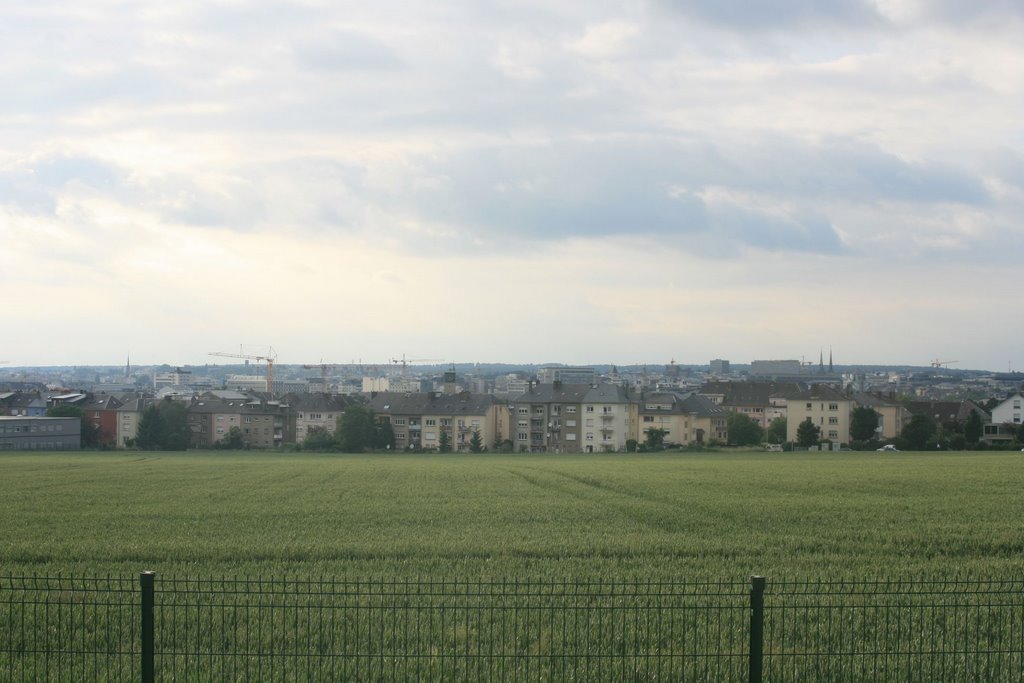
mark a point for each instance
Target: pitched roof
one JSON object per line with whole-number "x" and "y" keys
{"x": 748, "y": 393}
{"x": 690, "y": 403}
{"x": 554, "y": 392}
{"x": 431, "y": 403}
{"x": 608, "y": 393}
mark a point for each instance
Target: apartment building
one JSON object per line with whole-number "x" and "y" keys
{"x": 419, "y": 419}
{"x": 685, "y": 418}
{"x": 828, "y": 408}
{"x": 548, "y": 418}
{"x": 609, "y": 419}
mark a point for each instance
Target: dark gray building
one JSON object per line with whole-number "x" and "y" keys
{"x": 40, "y": 433}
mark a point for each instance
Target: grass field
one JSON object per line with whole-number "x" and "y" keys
{"x": 649, "y": 517}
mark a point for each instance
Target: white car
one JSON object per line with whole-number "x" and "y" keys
{"x": 887, "y": 447}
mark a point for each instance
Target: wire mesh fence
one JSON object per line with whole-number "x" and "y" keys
{"x": 69, "y": 629}
{"x": 425, "y": 630}
{"x": 955, "y": 630}
{"x": 248, "y": 629}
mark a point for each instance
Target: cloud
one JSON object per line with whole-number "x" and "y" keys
{"x": 345, "y": 50}
{"x": 770, "y": 14}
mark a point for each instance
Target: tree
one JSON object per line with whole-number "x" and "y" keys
{"x": 918, "y": 431}
{"x": 384, "y": 435}
{"x": 356, "y": 429}
{"x": 149, "y": 435}
{"x": 974, "y": 428}
{"x": 863, "y": 424}
{"x": 776, "y": 432}
{"x": 176, "y": 435}
{"x": 444, "y": 444}
{"x": 743, "y": 431}
{"x": 92, "y": 435}
{"x": 233, "y": 440}
{"x": 319, "y": 439}
{"x": 476, "y": 442}
{"x": 807, "y": 434}
{"x": 655, "y": 437}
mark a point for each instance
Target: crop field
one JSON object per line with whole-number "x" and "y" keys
{"x": 579, "y": 568}
{"x": 636, "y": 517}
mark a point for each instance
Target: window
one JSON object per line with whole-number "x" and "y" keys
{"x": 590, "y": 409}
{"x": 524, "y": 423}
{"x": 833, "y": 420}
{"x": 570, "y": 409}
{"x": 570, "y": 423}
{"x": 590, "y": 437}
{"x": 399, "y": 420}
{"x": 570, "y": 436}
{"x": 523, "y": 436}
{"x": 606, "y": 410}
{"x": 524, "y": 411}
{"x": 833, "y": 406}
{"x": 648, "y": 418}
{"x": 430, "y": 422}
{"x": 808, "y": 406}
{"x": 833, "y": 434}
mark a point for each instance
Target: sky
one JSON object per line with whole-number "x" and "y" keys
{"x": 497, "y": 181}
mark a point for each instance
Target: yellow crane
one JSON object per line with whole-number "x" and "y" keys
{"x": 270, "y": 356}
{"x": 404, "y": 362}
{"x": 324, "y": 368}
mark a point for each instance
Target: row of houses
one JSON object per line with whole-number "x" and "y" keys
{"x": 553, "y": 417}
{"x": 546, "y": 417}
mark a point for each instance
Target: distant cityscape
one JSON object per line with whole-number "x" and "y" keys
{"x": 521, "y": 408}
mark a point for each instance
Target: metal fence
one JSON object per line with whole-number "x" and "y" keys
{"x": 167, "y": 629}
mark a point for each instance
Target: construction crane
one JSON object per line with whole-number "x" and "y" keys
{"x": 324, "y": 368}
{"x": 270, "y": 357}
{"x": 942, "y": 363}
{"x": 404, "y": 362}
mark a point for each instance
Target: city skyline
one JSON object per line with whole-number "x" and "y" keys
{"x": 627, "y": 183}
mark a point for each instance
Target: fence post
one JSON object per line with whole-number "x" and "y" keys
{"x": 146, "y": 580}
{"x": 756, "y": 629}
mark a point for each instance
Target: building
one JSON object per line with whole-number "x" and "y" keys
{"x": 685, "y": 418}
{"x": 829, "y": 409}
{"x": 258, "y": 383}
{"x": 23, "y": 404}
{"x": 419, "y": 419}
{"x": 547, "y": 418}
{"x": 775, "y": 368}
{"x": 175, "y": 378}
{"x": 762, "y": 402}
{"x": 719, "y": 367}
{"x": 40, "y": 433}
{"x": 129, "y": 413}
{"x": 609, "y": 419}
{"x": 101, "y": 411}
{"x": 567, "y": 374}
{"x": 1007, "y": 418}
{"x": 892, "y": 415}
{"x": 316, "y": 411}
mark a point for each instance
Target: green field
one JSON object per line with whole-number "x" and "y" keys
{"x": 487, "y": 516}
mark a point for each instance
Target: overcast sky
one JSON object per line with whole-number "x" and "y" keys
{"x": 528, "y": 181}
